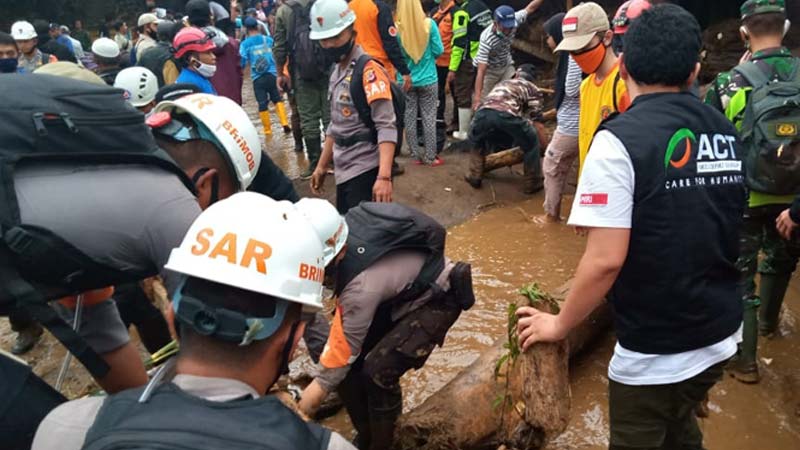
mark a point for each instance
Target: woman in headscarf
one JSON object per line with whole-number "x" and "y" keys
{"x": 563, "y": 148}
{"x": 421, "y": 43}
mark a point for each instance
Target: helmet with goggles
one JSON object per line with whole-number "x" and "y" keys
{"x": 192, "y": 39}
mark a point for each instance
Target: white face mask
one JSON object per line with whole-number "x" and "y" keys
{"x": 206, "y": 70}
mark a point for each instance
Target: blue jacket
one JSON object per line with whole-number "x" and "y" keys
{"x": 423, "y": 73}
{"x": 192, "y": 77}
{"x": 257, "y": 51}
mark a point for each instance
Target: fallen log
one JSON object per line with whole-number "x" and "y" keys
{"x": 534, "y": 399}
{"x": 504, "y": 158}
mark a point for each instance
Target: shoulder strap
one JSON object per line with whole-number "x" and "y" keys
{"x": 357, "y": 91}
{"x": 752, "y": 73}
{"x": 614, "y": 91}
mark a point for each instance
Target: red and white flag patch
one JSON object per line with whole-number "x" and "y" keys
{"x": 594, "y": 199}
{"x": 569, "y": 24}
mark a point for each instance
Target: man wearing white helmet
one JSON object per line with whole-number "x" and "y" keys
{"x": 362, "y": 155}
{"x": 248, "y": 266}
{"x": 140, "y": 86}
{"x": 106, "y": 56}
{"x": 30, "y": 57}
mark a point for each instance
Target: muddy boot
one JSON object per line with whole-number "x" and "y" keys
{"x": 314, "y": 149}
{"x": 476, "y": 162}
{"x": 772, "y": 289}
{"x": 280, "y": 110}
{"x": 26, "y": 339}
{"x": 744, "y": 366}
{"x": 385, "y": 406}
{"x": 266, "y": 122}
{"x": 532, "y": 180}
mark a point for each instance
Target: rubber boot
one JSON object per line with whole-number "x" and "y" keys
{"x": 266, "y": 121}
{"x": 476, "y": 162}
{"x": 532, "y": 180}
{"x": 744, "y": 366}
{"x": 385, "y": 406}
{"x": 771, "y": 289}
{"x": 26, "y": 339}
{"x": 280, "y": 110}
{"x": 464, "y": 118}
{"x": 354, "y": 396}
{"x": 314, "y": 149}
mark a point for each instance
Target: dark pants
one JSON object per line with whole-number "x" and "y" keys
{"x": 135, "y": 309}
{"x": 266, "y": 90}
{"x": 20, "y": 319}
{"x": 441, "y": 122}
{"x": 496, "y": 130}
{"x": 659, "y": 417}
{"x": 464, "y": 84}
{"x": 355, "y": 190}
{"x": 371, "y": 391}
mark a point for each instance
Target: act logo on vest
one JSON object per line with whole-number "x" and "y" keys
{"x": 714, "y": 155}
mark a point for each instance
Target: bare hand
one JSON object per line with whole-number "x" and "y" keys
{"x": 318, "y": 181}
{"x": 406, "y": 83}
{"x": 284, "y": 83}
{"x": 785, "y": 225}
{"x": 536, "y": 326}
{"x": 451, "y": 77}
{"x": 382, "y": 191}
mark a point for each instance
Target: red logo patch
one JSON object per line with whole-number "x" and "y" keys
{"x": 594, "y": 199}
{"x": 320, "y": 20}
{"x": 569, "y": 24}
{"x": 392, "y": 31}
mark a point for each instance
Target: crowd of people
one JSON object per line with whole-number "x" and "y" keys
{"x": 677, "y": 195}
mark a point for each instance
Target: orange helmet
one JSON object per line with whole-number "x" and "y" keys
{"x": 192, "y": 40}
{"x": 627, "y": 12}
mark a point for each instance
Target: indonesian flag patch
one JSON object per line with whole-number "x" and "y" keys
{"x": 594, "y": 199}
{"x": 569, "y": 24}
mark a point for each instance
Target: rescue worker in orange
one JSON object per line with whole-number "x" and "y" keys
{"x": 377, "y": 36}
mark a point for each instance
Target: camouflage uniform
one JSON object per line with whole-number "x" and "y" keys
{"x": 729, "y": 94}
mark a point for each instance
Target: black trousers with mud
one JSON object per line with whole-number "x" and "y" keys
{"x": 371, "y": 392}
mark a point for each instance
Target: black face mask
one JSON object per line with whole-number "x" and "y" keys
{"x": 337, "y": 54}
{"x": 214, "y": 184}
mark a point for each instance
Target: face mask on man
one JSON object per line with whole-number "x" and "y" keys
{"x": 337, "y": 54}
{"x": 8, "y": 65}
{"x": 206, "y": 70}
{"x": 589, "y": 61}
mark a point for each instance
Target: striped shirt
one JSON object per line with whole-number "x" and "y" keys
{"x": 494, "y": 49}
{"x": 569, "y": 111}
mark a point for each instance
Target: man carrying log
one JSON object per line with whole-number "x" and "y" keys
{"x": 396, "y": 298}
{"x": 505, "y": 119}
{"x": 662, "y": 193}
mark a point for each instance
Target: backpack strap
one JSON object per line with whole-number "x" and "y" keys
{"x": 614, "y": 91}
{"x": 357, "y": 92}
{"x": 754, "y": 76}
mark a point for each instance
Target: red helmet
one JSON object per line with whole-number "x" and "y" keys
{"x": 192, "y": 40}
{"x": 627, "y": 12}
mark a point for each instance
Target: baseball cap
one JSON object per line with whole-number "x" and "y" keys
{"x": 580, "y": 24}
{"x": 22, "y": 31}
{"x": 504, "y": 15}
{"x": 250, "y": 22}
{"x": 147, "y": 18}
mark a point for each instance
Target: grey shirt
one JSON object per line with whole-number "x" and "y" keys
{"x": 128, "y": 217}
{"x": 66, "y": 426}
{"x": 361, "y": 157}
{"x": 361, "y": 298}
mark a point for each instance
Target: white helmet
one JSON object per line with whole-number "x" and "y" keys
{"x": 228, "y": 123}
{"x": 105, "y": 48}
{"x": 330, "y": 225}
{"x": 329, "y": 18}
{"x": 22, "y": 31}
{"x": 252, "y": 242}
{"x": 139, "y": 83}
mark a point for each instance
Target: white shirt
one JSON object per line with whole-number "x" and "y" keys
{"x": 604, "y": 199}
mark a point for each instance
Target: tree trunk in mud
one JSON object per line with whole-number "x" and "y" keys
{"x": 465, "y": 414}
{"x": 502, "y": 159}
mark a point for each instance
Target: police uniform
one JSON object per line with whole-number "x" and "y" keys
{"x": 729, "y": 94}
{"x": 355, "y": 151}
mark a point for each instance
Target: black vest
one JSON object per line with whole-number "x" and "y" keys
{"x": 677, "y": 290}
{"x": 174, "y": 419}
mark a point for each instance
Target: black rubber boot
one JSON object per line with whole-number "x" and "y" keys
{"x": 744, "y": 366}
{"x": 26, "y": 339}
{"x": 385, "y": 406}
{"x": 771, "y": 289}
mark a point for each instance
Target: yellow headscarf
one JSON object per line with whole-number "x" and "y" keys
{"x": 413, "y": 27}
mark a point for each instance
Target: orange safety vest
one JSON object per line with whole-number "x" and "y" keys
{"x": 367, "y": 34}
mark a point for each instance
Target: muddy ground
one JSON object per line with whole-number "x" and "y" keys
{"x": 509, "y": 245}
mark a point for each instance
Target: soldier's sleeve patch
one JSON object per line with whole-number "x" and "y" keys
{"x": 376, "y": 83}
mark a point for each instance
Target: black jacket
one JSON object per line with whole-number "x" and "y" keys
{"x": 48, "y": 45}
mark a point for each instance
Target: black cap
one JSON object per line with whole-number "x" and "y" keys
{"x": 199, "y": 12}
{"x": 176, "y": 91}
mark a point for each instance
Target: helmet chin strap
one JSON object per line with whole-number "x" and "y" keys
{"x": 283, "y": 369}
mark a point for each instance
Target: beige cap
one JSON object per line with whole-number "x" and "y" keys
{"x": 147, "y": 18}
{"x": 580, "y": 24}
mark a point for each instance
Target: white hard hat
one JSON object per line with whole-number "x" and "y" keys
{"x": 330, "y": 225}
{"x": 147, "y": 18}
{"x": 252, "y": 242}
{"x": 329, "y": 18}
{"x": 139, "y": 84}
{"x": 22, "y": 31}
{"x": 105, "y": 48}
{"x": 230, "y": 125}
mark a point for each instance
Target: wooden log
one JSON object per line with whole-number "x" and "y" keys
{"x": 462, "y": 416}
{"x": 502, "y": 159}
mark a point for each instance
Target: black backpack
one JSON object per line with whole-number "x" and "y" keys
{"x": 377, "y": 229}
{"x": 307, "y": 58}
{"x": 60, "y": 119}
{"x": 360, "y": 100}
